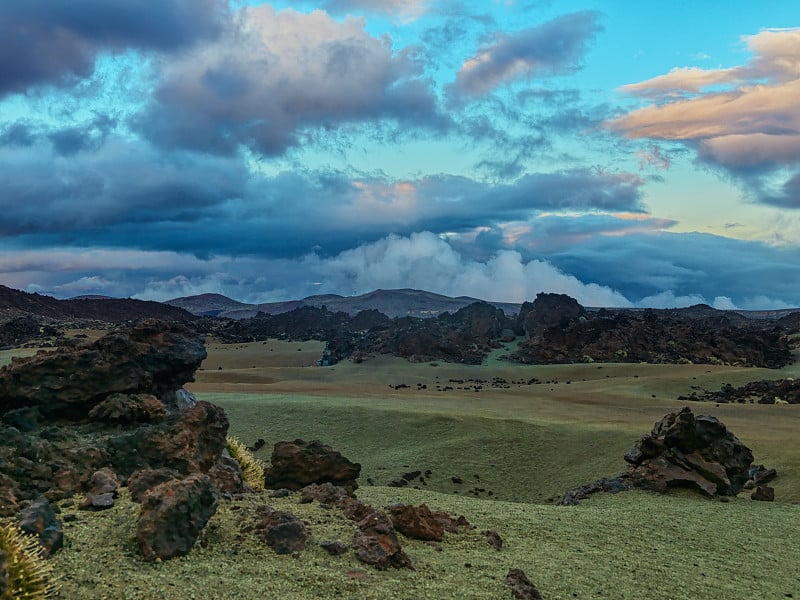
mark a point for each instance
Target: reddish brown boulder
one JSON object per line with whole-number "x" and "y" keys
{"x": 764, "y": 493}
{"x": 127, "y": 409}
{"x": 493, "y": 539}
{"x": 281, "y": 530}
{"x": 296, "y": 464}
{"x": 416, "y": 522}
{"x": 450, "y": 524}
{"x": 376, "y": 543}
{"x": 172, "y": 516}
{"x": 521, "y": 586}
{"x": 153, "y": 357}
{"x": 145, "y": 479}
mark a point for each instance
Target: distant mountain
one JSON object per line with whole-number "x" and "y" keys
{"x": 207, "y": 304}
{"x": 393, "y": 303}
{"x": 15, "y": 303}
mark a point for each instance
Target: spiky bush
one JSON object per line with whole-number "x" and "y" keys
{"x": 252, "y": 467}
{"x": 27, "y": 575}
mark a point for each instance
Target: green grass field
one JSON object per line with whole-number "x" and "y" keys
{"x": 524, "y": 444}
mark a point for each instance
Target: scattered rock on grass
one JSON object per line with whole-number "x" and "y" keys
{"x": 416, "y": 522}
{"x": 764, "y": 493}
{"x": 281, "y": 530}
{"x": 40, "y": 520}
{"x": 521, "y": 586}
{"x": 376, "y": 543}
{"x": 493, "y": 539}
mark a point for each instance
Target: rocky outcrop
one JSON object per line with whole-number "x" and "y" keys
{"x": 780, "y": 391}
{"x": 297, "y": 464}
{"x": 549, "y": 310}
{"x": 172, "y": 516}
{"x": 127, "y": 409}
{"x": 153, "y": 357}
{"x": 654, "y": 336}
{"x": 682, "y": 450}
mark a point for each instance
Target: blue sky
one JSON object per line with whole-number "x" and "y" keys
{"x": 628, "y": 154}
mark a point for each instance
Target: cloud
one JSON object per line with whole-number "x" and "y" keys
{"x": 53, "y": 42}
{"x": 125, "y": 194}
{"x": 405, "y": 9}
{"x": 743, "y": 120}
{"x": 276, "y": 79}
{"x": 553, "y": 48}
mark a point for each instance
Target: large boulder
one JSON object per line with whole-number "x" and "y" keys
{"x": 172, "y": 516}
{"x": 152, "y": 357}
{"x": 684, "y": 450}
{"x": 417, "y": 522}
{"x": 281, "y": 530}
{"x": 39, "y": 519}
{"x": 297, "y": 464}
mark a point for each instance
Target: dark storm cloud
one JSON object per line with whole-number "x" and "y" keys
{"x": 274, "y": 79}
{"x": 52, "y": 41}
{"x": 687, "y": 265}
{"x": 17, "y": 134}
{"x": 556, "y": 47}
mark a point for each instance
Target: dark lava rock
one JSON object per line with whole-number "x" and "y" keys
{"x": 521, "y": 586}
{"x": 145, "y": 479}
{"x": 172, "y": 516}
{"x": 296, "y": 464}
{"x": 125, "y": 409}
{"x": 682, "y": 450}
{"x": 188, "y": 442}
{"x": 281, "y": 530}
{"x": 376, "y": 543}
{"x": 493, "y": 539}
{"x": 416, "y": 522}
{"x": 334, "y": 547}
{"x": 764, "y": 493}
{"x": 103, "y": 487}
{"x": 25, "y": 419}
{"x": 152, "y": 357}
{"x": 549, "y": 310}
{"x": 688, "y": 451}
{"x": 761, "y": 475}
{"x": 762, "y": 392}
{"x": 450, "y": 524}
{"x": 40, "y": 520}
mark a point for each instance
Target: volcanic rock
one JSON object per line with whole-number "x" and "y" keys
{"x": 416, "y": 522}
{"x": 376, "y": 543}
{"x": 521, "y": 586}
{"x": 493, "y": 539}
{"x": 153, "y": 357}
{"x": 764, "y": 493}
{"x": 780, "y": 391}
{"x": 281, "y": 530}
{"x": 299, "y": 463}
{"x": 40, "y": 520}
{"x": 172, "y": 516}
{"x": 189, "y": 442}
{"x": 125, "y": 409}
{"x": 688, "y": 451}
{"x": 549, "y": 310}
{"x": 145, "y": 479}
{"x": 334, "y": 547}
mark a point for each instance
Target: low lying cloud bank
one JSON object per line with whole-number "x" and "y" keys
{"x": 421, "y": 260}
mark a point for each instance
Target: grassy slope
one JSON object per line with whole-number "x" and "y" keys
{"x": 630, "y": 546}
